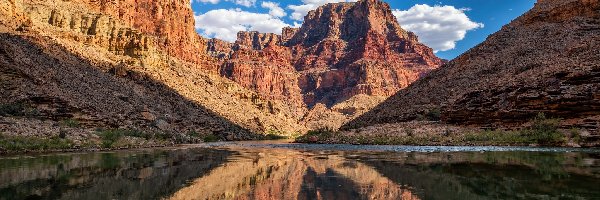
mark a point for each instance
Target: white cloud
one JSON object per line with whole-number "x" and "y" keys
{"x": 439, "y": 27}
{"x": 209, "y": 1}
{"x": 247, "y": 3}
{"x": 299, "y": 11}
{"x": 274, "y": 9}
{"x": 225, "y": 24}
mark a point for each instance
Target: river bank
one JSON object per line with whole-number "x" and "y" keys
{"x": 438, "y": 134}
{"x": 27, "y": 135}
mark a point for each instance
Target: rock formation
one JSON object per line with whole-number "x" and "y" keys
{"x": 141, "y": 65}
{"x": 100, "y": 63}
{"x": 172, "y": 22}
{"x": 342, "y": 50}
{"x": 546, "y": 61}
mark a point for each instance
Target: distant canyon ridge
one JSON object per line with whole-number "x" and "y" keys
{"x": 342, "y": 51}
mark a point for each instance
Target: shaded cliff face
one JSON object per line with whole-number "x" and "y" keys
{"x": 342, "y": 50}
{"x": 545, "y": 61}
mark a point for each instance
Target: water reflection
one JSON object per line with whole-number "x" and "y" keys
{"x": 125, "y": 175}
{"x": 243, "y": 172}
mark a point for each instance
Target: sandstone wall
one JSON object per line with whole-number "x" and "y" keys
{"x": 172, "y": 21}
{"x": 342, "y": 50}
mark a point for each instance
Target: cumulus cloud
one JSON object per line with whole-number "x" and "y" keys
{"x": 274, "y": 9}
{"x": 209, "y": 1}
{"x": 439, "y": 27}
{"x": 299, "y": 11}
{"x": 247, "y": 3}
{"x": 226, "y": 23}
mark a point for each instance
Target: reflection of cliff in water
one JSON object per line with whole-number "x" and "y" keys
{"x": 493, "y": 175}
{"x": 275, "y": 173}
{"x": 288, "y": 174}
{"x": 122, "y": 175}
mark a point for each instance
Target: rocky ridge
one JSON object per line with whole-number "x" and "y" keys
{"x": 342, "y": 50}
{"x": 546, "y": 61}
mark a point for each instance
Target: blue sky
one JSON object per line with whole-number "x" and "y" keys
{"x": 439, "y": 24}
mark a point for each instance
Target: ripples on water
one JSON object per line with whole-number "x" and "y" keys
{"x": 300, "y": 171}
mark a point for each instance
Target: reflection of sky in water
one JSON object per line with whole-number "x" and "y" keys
{"x": 259, "y": 171}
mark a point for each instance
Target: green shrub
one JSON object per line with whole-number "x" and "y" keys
{"x": 162, "y": 136}
{"x": 194, "y": 134}
{"x": 62, "y": 134}
{"x": 545, "y": 131}
{"x": 434, "y": 115}
{"x": 409, "y": 132}
{"x": 197, "y": 137}
{"x": 26, "y": 143}
{"x": 318, "y": 134}
{"x": 12, "y": 109}
{"x": 274, "y": 135}
{"x": 110, "y": 137}
{"x": 210, "y": 138}
{"x": 71, "y": 123}
{"x": 576, "y": 135}
{"x": 323, "y": 132}
{"x": 271, "y": 136}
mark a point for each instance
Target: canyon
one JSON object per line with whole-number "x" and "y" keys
{"x": 146, "y": 106}
{"x": 141, "y": 65}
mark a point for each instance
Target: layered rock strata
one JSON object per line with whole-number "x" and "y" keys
{"x": 342, "y": 50}
{"x": 546, "y": 61}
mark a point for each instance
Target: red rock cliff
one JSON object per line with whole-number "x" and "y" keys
{"x": 172, "y": 21}
{"x": 341, "y": 50}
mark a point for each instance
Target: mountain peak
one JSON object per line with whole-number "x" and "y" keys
{"x": 340, "y": 51}
{"x": 349, "y": 22}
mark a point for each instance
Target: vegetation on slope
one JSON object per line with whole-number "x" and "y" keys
{"x": 542, "y": 131}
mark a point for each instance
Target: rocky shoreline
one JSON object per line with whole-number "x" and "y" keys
{"x": 430, "y": 133}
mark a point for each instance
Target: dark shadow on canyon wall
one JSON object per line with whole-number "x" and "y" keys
{"x": 62, "y": 85}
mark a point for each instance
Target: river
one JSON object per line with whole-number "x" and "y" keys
{"x": 279, "y": 170}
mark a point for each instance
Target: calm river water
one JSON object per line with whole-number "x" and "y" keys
{"x": 255, "y": 170}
